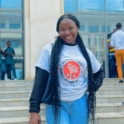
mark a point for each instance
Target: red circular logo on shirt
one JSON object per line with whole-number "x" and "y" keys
{"x": 71, "y": 70}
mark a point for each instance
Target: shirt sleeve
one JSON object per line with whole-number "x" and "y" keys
{"x": 44, "y": 58}
{"x": 95, "y": 64}
{"x": 112, "y": 42}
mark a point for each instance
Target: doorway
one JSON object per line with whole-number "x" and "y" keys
{"x": 98, "y": 45}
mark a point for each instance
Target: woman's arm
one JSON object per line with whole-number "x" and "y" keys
{"x": 98, "y": 79}
{"x": 40, "y": 81}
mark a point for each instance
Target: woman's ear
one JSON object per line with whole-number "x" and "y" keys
{"x": 77, "y": 28}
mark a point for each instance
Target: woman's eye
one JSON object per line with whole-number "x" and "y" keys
{"x": 70, "y": 28}
{"x": 62, "y": 29}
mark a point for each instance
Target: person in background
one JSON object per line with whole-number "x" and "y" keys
{"x": 2, "y": 65}
{"x": 9, "y": 53}
{"x": 1, "y": 62}
{"x": 117, "y": 41}
{"x": 3, "y": 70}
{"x": 66, "y": 62}
{"x": 112, "y": 60}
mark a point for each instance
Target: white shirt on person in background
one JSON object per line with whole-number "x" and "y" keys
{"x": 72, "y": 65}
{"x": 117, "y": 40}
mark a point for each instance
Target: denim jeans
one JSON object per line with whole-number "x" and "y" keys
{"x": 74, "y": 112}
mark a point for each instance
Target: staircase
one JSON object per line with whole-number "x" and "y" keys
{"x": 14, "y": 102}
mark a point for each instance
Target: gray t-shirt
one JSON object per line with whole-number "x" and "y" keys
{"x": 71, "y": 71}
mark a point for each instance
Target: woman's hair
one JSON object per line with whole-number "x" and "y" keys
{"x": 55, "y": 58}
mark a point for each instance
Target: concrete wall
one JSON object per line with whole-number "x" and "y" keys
{"x": 40, "y": 19}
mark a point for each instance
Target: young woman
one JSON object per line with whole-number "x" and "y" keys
{"x": 65, "y": 63}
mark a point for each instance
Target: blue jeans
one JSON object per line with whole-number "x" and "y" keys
{"x": 74, "y": 112}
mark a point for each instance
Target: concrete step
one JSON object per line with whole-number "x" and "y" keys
{"x": 23, "y": 111}
{"x": 111, "y": 80}
{"x": 14, "y": 102}
{"x": 25, "y": 101}
{"x": 22, "y": 87}
{"x": 18, "y": 120}
{"x": 110, "y": 92}
{"x": 109, "y": 107}
{"x": 101, "y": 118}
{"x": 112, "y": 86}
{"x": 26, "y": 94}
{"x": 112, "y": 83}
{"x": 16, "y": 83}
{"x": 20, "y": 111}
{"x": 15, "y": 88}
{"x": 106, "y": 81}
{"x": 15, "y": 94}
{"x": 110, "y": 118}
{"x": 12, "y": 84}
{"x": 110, "y": 98}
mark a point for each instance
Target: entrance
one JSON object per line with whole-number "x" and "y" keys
{"x": 97, "y": 44}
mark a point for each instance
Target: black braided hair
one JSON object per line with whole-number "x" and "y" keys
{"x": 55, "y": 85}
{"x": 55, "y": 95}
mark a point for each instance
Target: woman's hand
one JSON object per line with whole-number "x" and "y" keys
{"x": 35, "y": 118}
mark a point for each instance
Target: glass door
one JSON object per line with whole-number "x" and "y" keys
{"x": 97, "y": 44}
{"x": 98, "y": 48}
{"x": 87, "y": 40}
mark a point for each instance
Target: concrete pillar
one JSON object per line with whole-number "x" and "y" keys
{"x": 40, "y": 29}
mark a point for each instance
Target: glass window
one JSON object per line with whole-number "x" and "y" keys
{"x": 14, "y": 26}
{"x": 69, "y": 6}
{"x": 98, "y": 48}
{"x": 2, "y": 44}
{"x": 105, "y": 28}
{"x": 93, "y": 28}
{"x": 16, "y": 40}
{"x": 16, "y": 43}
{"x": 116, "y": 5}
{"x": 90, "y": 5}
{"x": 86, "y": 40}
{"x": 11, "y": 27}
{"x": 113, "y": 20}
{"x": 12, "y": 20}
{"x": 11, "y": 4}
{"x": 81, "y": 28}
{"x": 2, "y": 25}
{"x": 91, "y": 23}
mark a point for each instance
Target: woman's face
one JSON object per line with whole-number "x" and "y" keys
{"x": 68, "y": 30}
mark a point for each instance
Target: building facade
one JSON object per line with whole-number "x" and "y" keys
{"x": 30, "y": 24}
